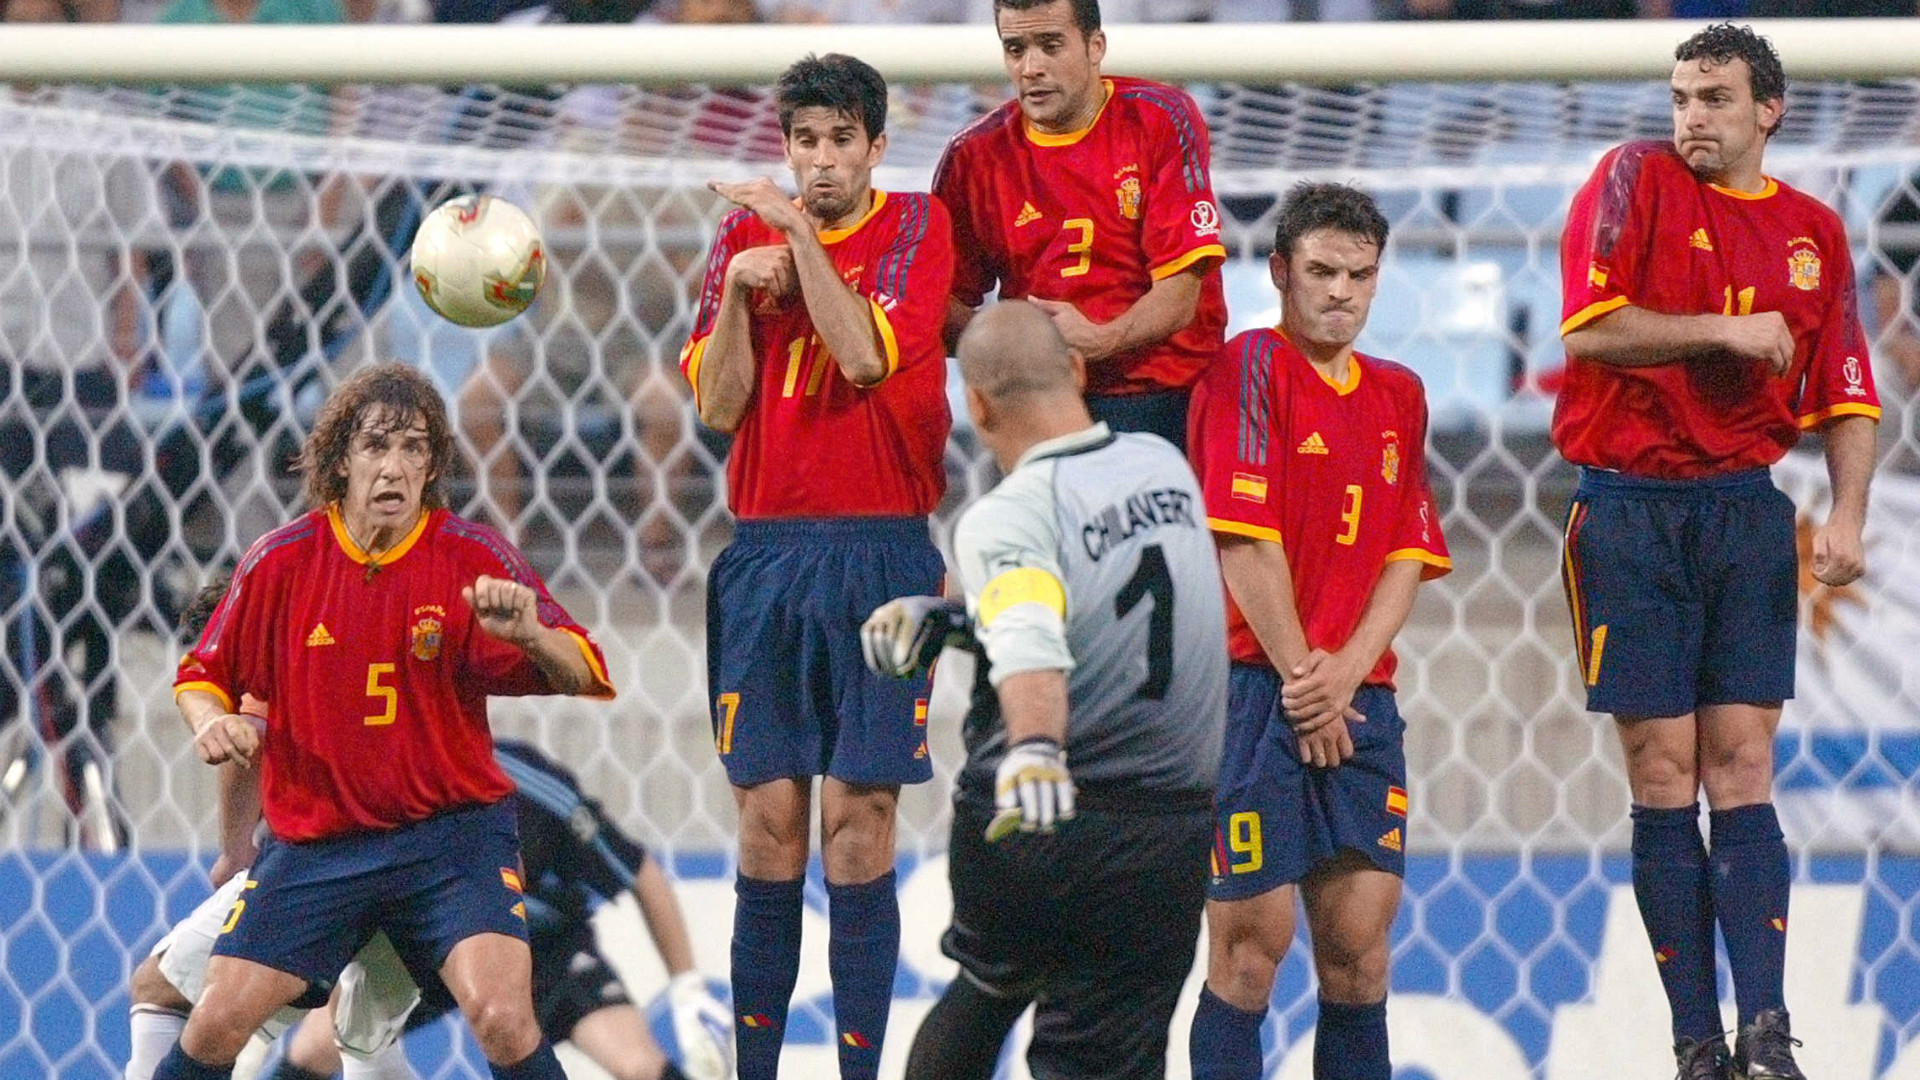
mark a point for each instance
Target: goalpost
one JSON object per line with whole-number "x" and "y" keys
{"x": 186, "y": 267}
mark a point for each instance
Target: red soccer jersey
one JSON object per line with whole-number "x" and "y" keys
{"x": 377, "y": 680}
{"x": 813, "y": 444}
{"x": 1093, "y": 218}
{"x": 1645, "y": 231}
{"x": 1336, "y": 475}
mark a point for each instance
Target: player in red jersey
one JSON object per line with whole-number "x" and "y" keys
{"x": 1090, "y": 196}
{"x": 378, "y": 625}
{"x": 1710, "y": 319}
{"x": 818, "y": 345}
{"x": 1313, "y": 460}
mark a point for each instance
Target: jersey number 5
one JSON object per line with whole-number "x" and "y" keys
{"x": 389, "y": 695}
{"x": 1153, "y": 579}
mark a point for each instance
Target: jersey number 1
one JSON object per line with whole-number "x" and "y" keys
{"x": 1152, "y": 579}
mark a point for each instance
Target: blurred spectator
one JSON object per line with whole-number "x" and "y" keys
{"x": 716, "y": 12}
{"x": 574, "y": 383}
{"x": 1896, "y": 320}
{"x": 1831, "y": 9}
{"x": 869, "y": 11}
{"x": 1236, "y": 11}
{"x": 1537, "y": 9}
{"x": 71, "y": 331}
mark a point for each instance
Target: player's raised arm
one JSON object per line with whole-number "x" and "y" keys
{"x": 718, "y": 358}
{"x": 510, "y": 611}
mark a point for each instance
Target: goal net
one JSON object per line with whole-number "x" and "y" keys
{"x": 185, "y": 272}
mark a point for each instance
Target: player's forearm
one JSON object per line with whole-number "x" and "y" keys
{"x": 1034, "y": 704}
{"x": 198, "y": 708}
{"x": 1850, "y": 451}
{"x": 1164, "y": 311}
{"x": 661, "y": 911}
{"x": 1261, "y": 582}
{"x": 239, "y": 807}
{"x": 1635, "y": 337}
{"x": 559, "y": 657}
{"x": 1386, "y": 612}
{"x": 842, "y": 317}
{"x": 726, "y": 375}
{"x": 958, "y": 316}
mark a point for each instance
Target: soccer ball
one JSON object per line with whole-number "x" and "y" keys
{"x": 478, "y": 260}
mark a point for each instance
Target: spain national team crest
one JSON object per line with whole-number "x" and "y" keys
{"x": 1129, "y": 195}
{"x": 1803, "y": 269}
{"x": 1390, "y": 457}
{"x": 426, "y": 638}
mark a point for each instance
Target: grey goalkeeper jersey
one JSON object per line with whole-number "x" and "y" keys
{"x": 1093, "y": 556}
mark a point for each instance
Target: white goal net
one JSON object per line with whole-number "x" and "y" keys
{"x": 185, "y": 272}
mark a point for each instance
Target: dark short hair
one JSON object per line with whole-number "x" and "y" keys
{"x": 193, "y": 617}
{"x": 405, "y": 396}
{"x": 1343, "y": 207}
{"x": 1086, "y": 13}
{"x": 845, "y": 84}
{"x": 1724, "y": 42}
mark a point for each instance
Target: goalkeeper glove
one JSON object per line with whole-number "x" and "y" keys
{"x": 702, "y": 1028}
{"x": 905, "y": 635}
{"x": 1032, "y": 789}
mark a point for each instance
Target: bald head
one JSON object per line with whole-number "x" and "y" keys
{"x": 1011, "y": 350}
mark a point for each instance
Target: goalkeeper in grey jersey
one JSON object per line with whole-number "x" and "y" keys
{"x": 1093, "y": 592}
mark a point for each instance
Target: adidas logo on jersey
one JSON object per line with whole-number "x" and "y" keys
{"x": 1027, "y": 215}
{"x": 1313, "y": 444}
{"x": 1700, "y": 240}
{"x": 1391, "y": 841}
{"x": 319, "y": 636}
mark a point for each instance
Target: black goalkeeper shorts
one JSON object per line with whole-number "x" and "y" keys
{"x": 1096, "y": 924}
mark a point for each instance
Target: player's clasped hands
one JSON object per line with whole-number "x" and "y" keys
{"x": 768, "y": 268}
{"x": 507, "y": 610}
{"x": 1032, "y": 789}
{"x": 228, "y": 737}
{"x": 1317, "y": 697}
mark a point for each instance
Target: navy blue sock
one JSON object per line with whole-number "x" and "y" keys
{"x": 766, "y": 964}
{"x": 539, "y": 1065}
{"x": 1350, "y": 1042}
{"x": 178, "y": 1066}
{"x": 862, "y": 955}
{"x": 1751, "y": 877}
{"x": 1224, "y": 1043}
{"x": 1676, "y": 903}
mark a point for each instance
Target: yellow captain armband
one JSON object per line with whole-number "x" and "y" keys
{"x": 1022, "y": 585}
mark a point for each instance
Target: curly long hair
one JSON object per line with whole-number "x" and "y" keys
{"x": 399, "y": 395}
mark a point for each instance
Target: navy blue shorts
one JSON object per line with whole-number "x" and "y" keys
{"x": 1275, "y": 817}
{"x": 1683, "y": 592}
{"x": 307, "y": 908}
{"x": 1163, "y": 413}
{"x": 791, "y": 695}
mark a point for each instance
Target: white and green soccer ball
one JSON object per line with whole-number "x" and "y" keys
{"x": 478, "y": 260}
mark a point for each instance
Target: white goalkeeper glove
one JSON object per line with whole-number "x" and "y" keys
{"x": 906, "y": 635}
{"x": 702, "y": 1027}
{"x": 1032, "y": 789}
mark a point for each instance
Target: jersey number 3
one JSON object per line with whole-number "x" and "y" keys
{"x": 1153, "y": 579}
